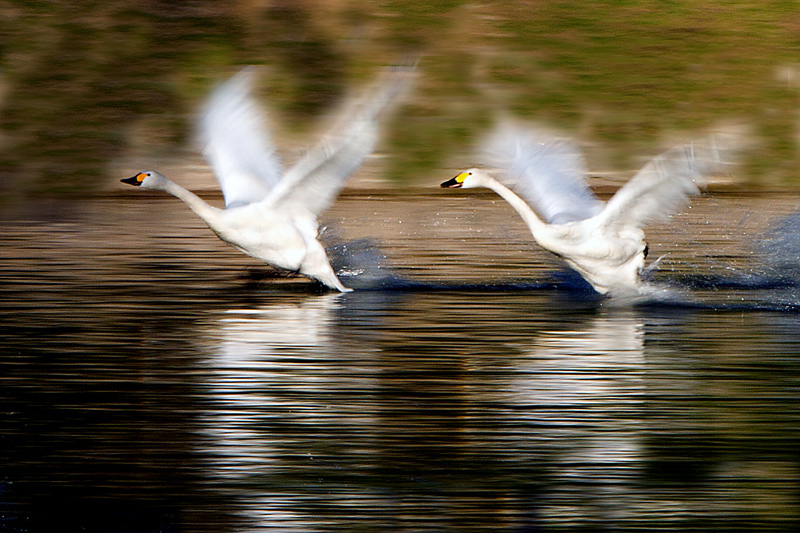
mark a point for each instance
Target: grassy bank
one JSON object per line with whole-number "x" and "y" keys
{"x": 85, "y": 85}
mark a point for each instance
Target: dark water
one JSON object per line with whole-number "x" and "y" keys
{"x": 154, "y": 380}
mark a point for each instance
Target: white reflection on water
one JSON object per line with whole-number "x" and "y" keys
{"x": 450, "y": 406}
{"x": 572, "y": 392}
{"x": 584, "y": 385}
{"x": 258, "y": 352}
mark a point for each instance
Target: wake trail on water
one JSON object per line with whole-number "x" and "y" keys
{"x": 772, "y": 283}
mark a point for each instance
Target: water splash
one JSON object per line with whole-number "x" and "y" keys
{"x": 780, "y": 248}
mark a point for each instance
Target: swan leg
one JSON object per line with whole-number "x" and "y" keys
{"x": 316, "y": 265}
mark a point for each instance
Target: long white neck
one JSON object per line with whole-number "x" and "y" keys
{"x": 208, "y": 213}
{"x": 520, "y": 206}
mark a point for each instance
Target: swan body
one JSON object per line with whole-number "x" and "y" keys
{"x": 604, "y": 243}
{"x": 271, "y": 215}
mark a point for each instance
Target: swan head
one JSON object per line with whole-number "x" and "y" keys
{"x": 147, "y": 179}
{"x": 473, "y": 177}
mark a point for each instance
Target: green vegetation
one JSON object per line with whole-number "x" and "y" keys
{"x": 85, "y": 83}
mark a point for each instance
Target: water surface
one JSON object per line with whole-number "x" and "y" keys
{"x": 154, "y": 379}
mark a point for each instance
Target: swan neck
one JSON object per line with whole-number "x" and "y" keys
{"x": 519, "y": 205}
{"x": 195, "y": 203}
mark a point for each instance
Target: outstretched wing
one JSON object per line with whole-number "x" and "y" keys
{"x": 662, "y": 186}
{"x": 236, "y": 143}
{"x": 546, "y": 172}
{"x": 316, "y": 179}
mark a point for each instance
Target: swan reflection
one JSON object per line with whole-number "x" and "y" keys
{"x": 264, "y": 358}
{"x": 310, "y": 415}
{"x": 581, "y": 396}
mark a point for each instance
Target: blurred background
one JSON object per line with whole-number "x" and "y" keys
{"x": 90, "y": 91}
{"x": 154, "y": 379}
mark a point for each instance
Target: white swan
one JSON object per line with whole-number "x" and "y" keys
{"x": 271, "y": 215}
{"x": 602, "y": 242}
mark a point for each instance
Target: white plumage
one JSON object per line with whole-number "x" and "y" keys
{"x": 544, "y": 180}
{"x": 269, "y": 214}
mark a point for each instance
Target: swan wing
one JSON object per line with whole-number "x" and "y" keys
{"x": 236, "y": 143}
{"x": 313, "y": 183}
{"x": 662, "y": 186}
{"x": 547, "y": 172}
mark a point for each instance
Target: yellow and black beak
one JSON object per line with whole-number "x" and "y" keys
{"x": 135, "y": 180}
{"x": 456, "y": 182}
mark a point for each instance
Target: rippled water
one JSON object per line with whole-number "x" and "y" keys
{"x": 153, "y": 379}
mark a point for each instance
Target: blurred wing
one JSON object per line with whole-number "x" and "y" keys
{"x": 236, "y": 143}
{"x": 662, "y": 186}
{"x": 547, "y": 173}
{"x": 316, "y": 179}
